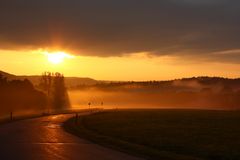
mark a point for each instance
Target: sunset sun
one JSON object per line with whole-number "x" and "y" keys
{"x": 57, "y": 57}
{"x": 146, "y": 79}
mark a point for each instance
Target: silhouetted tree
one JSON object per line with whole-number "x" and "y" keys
{"x": 54, "y": 86}
{"x": 46, "y": 82}
{"x": 46, "y": 85}
{"x": 60, "y": 96}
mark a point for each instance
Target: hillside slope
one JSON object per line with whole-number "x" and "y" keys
{"x": 70, "y": 81}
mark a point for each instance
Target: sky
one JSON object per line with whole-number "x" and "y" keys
{"x": 122, "y": 40}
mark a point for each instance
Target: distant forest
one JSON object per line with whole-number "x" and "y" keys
{"x": 199, "y": 92}
{"x": 195, "y": 84}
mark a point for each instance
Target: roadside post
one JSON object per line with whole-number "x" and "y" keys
{"x": 89, "y": 105}
{"x": 11, "y": 116}
{"x": 76, "y": 118}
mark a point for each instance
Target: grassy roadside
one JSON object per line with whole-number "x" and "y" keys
{"x": 6, "y": 119}
{"x": 80, "y": 128}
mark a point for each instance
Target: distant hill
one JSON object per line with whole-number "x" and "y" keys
{"x": 196, "y": 92}
{"x": 178, "y": 85}
{"x": 19, "y": 95}
{"x": 70, "y": 81}
{"x": 7, "y": 75}
{"x": 194, "y": 84}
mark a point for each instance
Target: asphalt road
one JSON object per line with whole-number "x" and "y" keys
{"x": 44, "y": 139}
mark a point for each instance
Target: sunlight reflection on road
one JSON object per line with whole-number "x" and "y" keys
{"x": 44, "y": 139}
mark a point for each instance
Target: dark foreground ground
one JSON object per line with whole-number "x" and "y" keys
{"x": 165, "y": 134}
{"x": 44, "y": 139}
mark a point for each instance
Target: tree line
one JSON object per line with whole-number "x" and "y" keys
{"x": 16, "y": 95}
{"x": 21, "y": 95}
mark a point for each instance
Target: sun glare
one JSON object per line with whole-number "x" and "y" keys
{"x": 57, "y": 57}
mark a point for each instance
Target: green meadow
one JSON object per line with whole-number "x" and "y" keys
{"x": 164, "y": 134}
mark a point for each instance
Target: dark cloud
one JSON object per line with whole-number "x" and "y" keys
{"x": 114, "y": 27}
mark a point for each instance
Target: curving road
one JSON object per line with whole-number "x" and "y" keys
{"x": 44, "y": 139}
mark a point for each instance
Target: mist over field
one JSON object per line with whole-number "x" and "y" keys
{"x": 196, "y": 93}
{"x": 84, "y": 93}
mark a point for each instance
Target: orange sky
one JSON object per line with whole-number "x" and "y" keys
{"x": 121, "y": 40}
{"x": 138, "y": 66}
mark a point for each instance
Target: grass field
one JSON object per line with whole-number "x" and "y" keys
{"x": 165, "y": 134}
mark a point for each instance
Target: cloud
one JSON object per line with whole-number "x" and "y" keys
{"x": 114, "y": 28}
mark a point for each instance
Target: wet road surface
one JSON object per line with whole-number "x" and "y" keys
{"x": 44, "y": 139}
